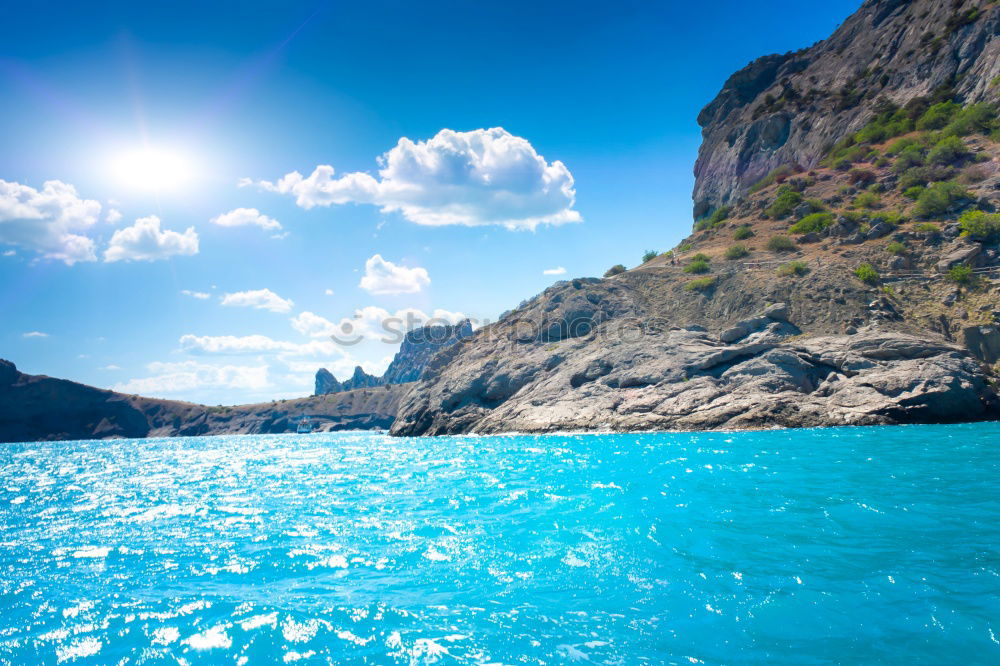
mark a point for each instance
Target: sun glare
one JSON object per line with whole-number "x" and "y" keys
{"x": 151, "y": 169}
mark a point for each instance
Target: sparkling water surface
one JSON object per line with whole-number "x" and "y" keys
{"x": 847, "y": 545}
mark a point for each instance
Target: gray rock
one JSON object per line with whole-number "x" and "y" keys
{"x": 879, "y": 230}
{"x": 778, "y": 312}
{"x": 326, "y": 383}
{"x": 802, "y": 210}
{"x": 959, "y": 252}
{"x": 951, "y": 297}
{"x": 811, "y": 237}
{"x": 983, "y": 342}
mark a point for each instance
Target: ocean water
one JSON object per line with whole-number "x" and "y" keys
{"x": 848, "y": 545}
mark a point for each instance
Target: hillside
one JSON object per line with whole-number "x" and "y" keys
{"x": 843, "y": 270}
{"x": 36, "y": 407}
{"x": 789, "y": 109}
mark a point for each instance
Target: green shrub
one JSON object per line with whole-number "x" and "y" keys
{"x": 617, "y": 269}
{"x": 940, "y": 199}
{"x": 973, "y": 119}
{"x": 784, "y": 203}
{"x": 866, "y": 273}
{"x": 890, "y": 217}
{"x": 697, "y": 266}
{"x": 793, "y": 268}
{"x": 909, "y": 158}
{"x": 814, "y": 222}
{"x": 742, "y": 233}
{"x": 927, "y": 228}
{"x": 649, "y": 255}
{"x": 899, "y": 145}
{"x": 896, "y": 248}
{"x": 736, "y": 252}
{"x": 960, "y": 274}
{"x": 718, "y": 216}
{"x": 780, "y": 244}
{"x": 947, "y": 151}
{"x": 914, "y": 192}
{"x": 701, "y": 284}
{"x": 867, "y": 200}
{"x": 980, "y": 225}
{"x": 776, "y": 175}
{"x": 926, "y": 174}
{"x": 701, "y": 257}
{"x": 938, "y": 116}
{"x": 685, "y": 247}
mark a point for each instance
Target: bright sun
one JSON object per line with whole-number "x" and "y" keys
{"x": 151, "y": 168}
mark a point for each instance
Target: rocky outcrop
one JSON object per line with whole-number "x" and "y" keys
{"x": 36, "y": 407}
{"x": 417, "y": 348}
{"x": 789, "y": 109}
{"x": 326, "y": 383}
{"x": 983, "y": 342}
{"x": 415, "y": 352}
{"x": 758, "y": 373}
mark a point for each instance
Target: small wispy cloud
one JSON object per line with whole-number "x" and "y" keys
{"x": 200, "y": 295}
{"x": 261, "y": 299}
{"x": 109, "y": 367}
{"x": 35, "y": 334}
{"x": 558, "y": 270}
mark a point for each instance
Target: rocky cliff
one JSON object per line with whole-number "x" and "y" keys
{"x": 789, "y": 109}
{"x": 415, "y": 352}
{"x": 36, "y": 407}
{"x": 846, "y": 269}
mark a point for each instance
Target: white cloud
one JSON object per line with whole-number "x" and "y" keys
{"x": 558, "y": 270}
{"x": 35, "y": 334}
{"x": 231, "y": 345}
{"x": 241, "y": 217}
{"x": 110, "y": 367}
{"x": 113, "y": 216}
{"x": 200, "y": 295}
{"x": 480, "y": 177}
{"x": 9, "y": 253}
{"x": 48, "y": 221}
{"x": 385, "y": 277}
{"x": 186, "y": 376}
{"x": 328, "y": 292}
{"x": 261, "y": 299}
{"x": 371, "y": 322}
{"x": 144, "y": 241}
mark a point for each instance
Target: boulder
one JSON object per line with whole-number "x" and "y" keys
{"x": 879, "y": 230}
{"x": 983, "y": 342}
{"x": 959, "y": 252}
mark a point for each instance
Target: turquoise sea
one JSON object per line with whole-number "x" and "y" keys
{"x": 848, "y": 546}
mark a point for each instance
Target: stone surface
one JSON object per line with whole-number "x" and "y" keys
{"x": 959, "y": 252}
{"x": 983, "y": 342}
{"x": 757, "y": 372}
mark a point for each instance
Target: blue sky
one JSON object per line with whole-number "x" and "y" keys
{"x": 145, "y": 266}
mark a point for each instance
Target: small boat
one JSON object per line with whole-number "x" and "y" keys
{"x": 305, "y": 425}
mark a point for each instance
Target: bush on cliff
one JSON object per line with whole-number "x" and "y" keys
{"x": 701, "y": 284}
{"x": 793, "y": 269}
{"x": 784, "y": 203}
{"x": 980, "y": 226}
{"x": 813, "y": 223}
{"x": 780, "y": 244}
{"x": 743, "y": 232}
{"x": 866, "y": 273}
{"x": 649, "y": 255}
{"x": 617, "y": 269}
{"x": 736, "y": 252}
{"x": 940, "y": 199}
{"x": 697, "y": 266}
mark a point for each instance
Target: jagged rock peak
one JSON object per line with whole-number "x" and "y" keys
{"x": 419, "y": 346}
{"x": 788, "y": 109}
{"x": 326, "y": 383}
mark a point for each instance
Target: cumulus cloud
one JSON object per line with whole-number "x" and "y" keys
{"x": 113, "y": 216}
{"x": 200, "y": 295}
{"x": 480, "y": 177}
{"x": 242, "y": 217}
{"x": 144, "y": 241}
{"x": 35, "y": 334}
{"x": 558, "y": 270}
{"x": 48, "y": 221}
{"x": 372, "y": 323}
{"x": 261, "y": 299}
{"x": 173, "y": 378}
{"x": 385, "y": 277}
{"x": 232, "y": 345}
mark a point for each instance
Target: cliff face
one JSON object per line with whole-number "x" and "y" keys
{"x": 415, "y": 352}
{"x": 36, "y": 407}
{"x": 789, "y": 109}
